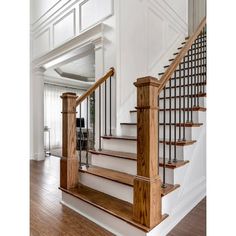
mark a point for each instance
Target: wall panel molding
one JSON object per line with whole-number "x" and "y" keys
{"x": 64, "y": 28}
{"x": 41, "y": 43}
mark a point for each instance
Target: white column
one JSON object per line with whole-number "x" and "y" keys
{"x": 99, "y": 72}
{"x": 37, "y": 115}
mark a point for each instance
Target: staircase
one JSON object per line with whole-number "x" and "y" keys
{"x": 146, "y": 180}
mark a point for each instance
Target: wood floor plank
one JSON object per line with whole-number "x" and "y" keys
{"x": 47, "y": 216}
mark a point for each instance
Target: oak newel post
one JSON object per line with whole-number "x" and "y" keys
{"x": 69, "y": 162}
{"x": 147, "y": 183}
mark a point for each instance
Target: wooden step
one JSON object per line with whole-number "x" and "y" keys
{"x": 187, "y": 96}
{"x": 133, "y": 157}
{"x": 132, "y": 138}
{"x": 118, "y": 208}
{"x": 186, "y": 109}
{"x": 122, "y": 178}
{"x": 177, "y": 86}
{"x": 173, "y": 124}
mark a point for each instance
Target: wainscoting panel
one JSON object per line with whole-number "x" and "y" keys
{"x": 93, "y": 11}
{"x": 64, "y": 28}
{"x": 41, "y": 43}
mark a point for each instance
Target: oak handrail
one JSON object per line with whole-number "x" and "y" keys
{"x": 110, "y": 73}
{"x": 173, "y": 66}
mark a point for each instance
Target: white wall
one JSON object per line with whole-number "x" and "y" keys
{"x": 53, "y": 27}
{"x": 149, "y": 32}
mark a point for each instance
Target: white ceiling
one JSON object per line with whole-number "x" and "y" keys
{"x": 82, "y": 66}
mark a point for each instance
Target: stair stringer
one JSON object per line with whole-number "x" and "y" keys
{"x": 192, "y": 189}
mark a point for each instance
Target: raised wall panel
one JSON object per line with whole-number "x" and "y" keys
{"x": 64, "y": 28}
{"x": 41, "y": 43}
{"x": 93, "y": 11}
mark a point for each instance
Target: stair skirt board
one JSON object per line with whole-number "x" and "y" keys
{"x": 173, "y": 176}
{"x": 180, "y": 207}
{"x": 182, "y": 152}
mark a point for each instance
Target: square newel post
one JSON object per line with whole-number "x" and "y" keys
{"x": 69, "y": 162}
{"x": 147, "y": 183}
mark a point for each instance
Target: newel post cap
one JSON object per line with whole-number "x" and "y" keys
{"x": 147, "y": 81}
{"x": 69, "y": 95}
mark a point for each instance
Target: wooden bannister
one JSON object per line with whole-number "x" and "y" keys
{"x": 171, "y": 69}
{"x": 69, "y": 162}
{"x": 147, "y": 183}
{"x": 95, "y": 86}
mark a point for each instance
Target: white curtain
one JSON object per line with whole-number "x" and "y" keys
{"x": 52, "y": 112}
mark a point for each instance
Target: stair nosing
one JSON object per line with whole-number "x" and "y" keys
{"x": 126, "y": 157}
{"x": 109, "y": 211}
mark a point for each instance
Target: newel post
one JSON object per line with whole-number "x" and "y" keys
{"x": 69, "y": 162}
{"x": 147, "y": 183}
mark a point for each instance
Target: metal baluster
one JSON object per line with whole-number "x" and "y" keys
{"x": 99, "y": 132}
{"x": 175, "y": 118}
{"x": 205, "y": 59}
{"x": 191, "y": 101}
{"x": 180, "y": 84}
{"x": 94, "y": 111}
{"x": 80, "y": 138}
{"x": 201, "y": 64}
{"x": 197, "y": 54}
{"x": 110, "y": 107}
{"x": 188, "y": 88}
{"x": 105, "y": 116}
{"x": 184, "y": 97}
{"x": 194, "y": 75}
{"x": 87, "y": 121}
{"x": 158, "y": 104}
{"x": 164, "y": 141}
{"x": 170, "y": 121}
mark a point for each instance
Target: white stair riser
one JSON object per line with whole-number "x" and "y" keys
{"x": 131, "y": 146}
{"x": 173, "y": 176}
{"x": 202, "y": 102}
{"x": 120, "y": 191}
{"x": 198, "y": 116}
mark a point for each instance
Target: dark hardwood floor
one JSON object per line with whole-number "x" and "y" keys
{"x": 49, "y": 218}
{"x": 194, "y": 224}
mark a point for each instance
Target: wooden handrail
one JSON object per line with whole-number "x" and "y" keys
{"x": 110, "y": 73}
{"x": 173, "y": 66}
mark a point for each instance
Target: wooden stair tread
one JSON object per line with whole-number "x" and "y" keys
{"x": 124, "y": 155}
{"x": 190, "y": 96}
{"x": 186, "y": 109}
{"x": 113, "y": 175}
{"x": 178, "y": 124}
{"x": 122, "y": 178}
{"x": 131, "y": 138}
{"x": 180, "y": 143}
{"x": 114, "y": 206}
{"x": 133, "y": 157}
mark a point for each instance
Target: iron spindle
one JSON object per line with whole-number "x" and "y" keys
{"x": 87, "y": 121}
{"x": 170, "y": 121}
{"x": 175, "y": 118}
{"x": 105, "y": 116}
{"x": 164, "y": 141}
{"x": 80, "y": 138}
{"x": 93, "y": 113}
{"x": 197, "y": 61}
{"x": 180, "y": 84}
{"x": 191, "y": 101}
{"x": 100, "y": 145}
{"x": 194, "y": 76}
{"x": 184, "y": 97}
{"x": 110, "y": 107}
{"x": 188, "y": 88}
